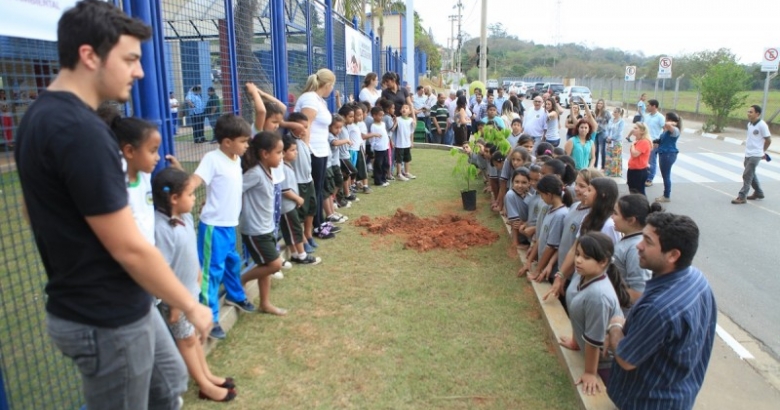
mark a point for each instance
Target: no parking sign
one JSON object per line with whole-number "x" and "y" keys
{"x": 665, "y": 67}
{"x": 630, "y": 73}
{"x": 771, "y": 59}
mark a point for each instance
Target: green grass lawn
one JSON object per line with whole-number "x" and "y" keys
{"x": 377, "y": 326}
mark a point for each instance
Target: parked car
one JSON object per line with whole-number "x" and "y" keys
{"x": 518, "y": 87}
{"x": 552, "y": 88}
{"x": 578, "y": 94}
{"x": 534, "y": 89}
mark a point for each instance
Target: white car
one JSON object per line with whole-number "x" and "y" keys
{"x": 579, "y": 94}
{"x": 518, "y": 87}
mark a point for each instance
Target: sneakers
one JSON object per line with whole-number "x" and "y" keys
{"x": 738, "y": 201}
{"x": 648, "y": 183}
{"x": 308, "y": 248}
{"x": 390, "y": 178}
{"x": 286, "y": 264}
{"x": 337, "y": 218}
{"x": 352, "y": 198}
{"x": 662, "y": 199}
{"x": 324, "y": 233}
{"x": 245, "y": 306}
{"x": 311, "y": 243}
{"x": 410, "y": 176}
{"x": 401, "y": 177}
{"x": 217, "y": 332}
{"x": 278, "y": 275}
{"x": 384, "y": 184}
{"x": 346, "y": 218}
{"x": 755, "y": 196}
{"x": 308, "y": 260}
{"x": 366, "y": 190}
{"x": 343, "y": 204}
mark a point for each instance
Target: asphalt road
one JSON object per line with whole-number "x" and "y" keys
{"x": 736, "y": 247}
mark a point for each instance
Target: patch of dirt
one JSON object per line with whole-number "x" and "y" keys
{"x": 447, "y": 231}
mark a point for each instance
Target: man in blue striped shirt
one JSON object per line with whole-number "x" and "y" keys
{"x": 663, "y": 347}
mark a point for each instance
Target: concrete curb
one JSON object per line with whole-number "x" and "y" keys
{"x": 558, "y": 325}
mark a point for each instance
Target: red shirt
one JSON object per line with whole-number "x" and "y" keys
{"x": 641, "y": 161}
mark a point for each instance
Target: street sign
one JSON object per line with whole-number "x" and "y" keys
{"x": 771, "y": 59}
{"x": 665, "y": 67}
{"x": 630, "y": 73}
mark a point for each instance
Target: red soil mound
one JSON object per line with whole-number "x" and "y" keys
{"x": 446, "y": 231}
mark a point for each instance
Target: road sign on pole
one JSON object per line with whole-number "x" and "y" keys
{"x": 771, "y": 59}
{"x": 665, "y": 67}
{"x": 630, "y": 73}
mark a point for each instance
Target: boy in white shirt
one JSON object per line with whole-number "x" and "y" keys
{"x": 403, "y": 143}
{"x": 380, "y": 145}
{"x": 220, "y": 170}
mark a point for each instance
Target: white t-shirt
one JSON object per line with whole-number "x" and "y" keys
{"x": 224, "y": 182}
{"x": 381, "y": 143}
{"x": 754, "y": 145}
{"x": 139, "y": 195}
{"x": 355, "y": 139}
{"x": 318, "y": 131}
{"x": 367, "y": 95}
{"x": 174, "y": 103}
{"x": 404, "y": 132}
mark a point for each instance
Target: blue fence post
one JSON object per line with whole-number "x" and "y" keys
{"x": 279, "y": 49}
{"x": 329, "y": 62}
{"x": 3, "y": 399}
{"x": 150, "y": 94}
{"x": 355, "y": 78}
{"x": 309, "y": 41}
{"x": 399, "y": 67}
{"x": 376, "y": 58}
{"x": 388, "y": 59}
{"x": 230, "y": 21}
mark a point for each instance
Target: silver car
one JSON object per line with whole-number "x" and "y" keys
{"x": 577, "y": 94}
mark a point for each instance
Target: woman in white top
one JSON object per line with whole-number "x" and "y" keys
{"x": 312, "y": 104}
{"x": 369, "y": 92}
{"x": 552, "y": 135}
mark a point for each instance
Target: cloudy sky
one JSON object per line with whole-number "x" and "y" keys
{"x": 672, "y": 27}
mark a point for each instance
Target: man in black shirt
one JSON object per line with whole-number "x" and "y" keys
{"x": 100, "y": 268}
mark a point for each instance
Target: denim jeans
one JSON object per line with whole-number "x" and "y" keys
{"x": 437, "y": 138}
{"x": 449, "y": 137}
{"x": 136, "y": 366}
{"x": 750, "y": 179}
{"x": 652, "y": 165}
{"x": 601, "y": 149}
{"x": 665, "y": 162}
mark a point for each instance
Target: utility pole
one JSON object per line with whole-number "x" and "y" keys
{"x": 453, "y": 19}
{"x": 483, "y": 45}
{"x": 460, "y": 38}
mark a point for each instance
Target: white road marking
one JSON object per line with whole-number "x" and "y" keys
{"x": 733, "y": 343}
{"x": 707, "y": 167}
{"x": 759, "y": 170}
{"x": 733, "y": 140}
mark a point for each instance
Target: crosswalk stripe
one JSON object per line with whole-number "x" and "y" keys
{"x": 710, "y": 168}
{"x": 772, "y": 165}
{"x": 733, "y": 162}
{"x": 685, "y": 174}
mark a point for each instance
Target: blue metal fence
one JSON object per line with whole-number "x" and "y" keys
{"x": 216, "y": 44}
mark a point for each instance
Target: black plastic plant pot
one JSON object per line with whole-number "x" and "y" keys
{"x": 469, "y": 200}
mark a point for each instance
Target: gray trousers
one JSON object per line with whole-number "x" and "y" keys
{"x": 136, "y": 366}
{"x": 749, "y": 177}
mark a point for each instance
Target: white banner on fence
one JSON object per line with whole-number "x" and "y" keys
{"x": 359, "y": 59}
{"x": 36, "y": 19}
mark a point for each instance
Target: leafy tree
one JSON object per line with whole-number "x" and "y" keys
{"x": 497, "y": 30}
{"x": 722, "y": 89}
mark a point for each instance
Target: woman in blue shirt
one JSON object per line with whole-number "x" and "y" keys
{"x": 666, "y": 147}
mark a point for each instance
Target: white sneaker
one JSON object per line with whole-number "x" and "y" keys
{"x": 410, "y": 176}
{"x": 286, "y": 264}
{"x": 278, "y": 275}
{"x": 385, "y": 184}
{"x": 401, "y": 177}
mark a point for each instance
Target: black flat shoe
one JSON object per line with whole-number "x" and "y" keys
{"x": 229, "y": 397}
{"x": 229, "y": 383}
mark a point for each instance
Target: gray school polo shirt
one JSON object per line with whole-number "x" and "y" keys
{"x": 179, "y": 246}
{"x": 516, "y": 208}
{"x": 289, "y": 184}
{"x": 591, "y": 306}
{"x": 571, "y": 226}
{"x": 257, "y": 209}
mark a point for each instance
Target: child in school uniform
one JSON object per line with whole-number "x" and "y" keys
{"x": 404, "y": 134}
{"x": 516, "y": 207}
{"x": 220, "y": 170}
{"x": 380, "y": 145}
{"x": 359, "y": 141}
{"x": 550, "y": 189}
{"x": 257, "y": 225}
{"x": 291, "y": 225}
{"x": 173, "y": 193}
{"x": 335, "y": 180}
